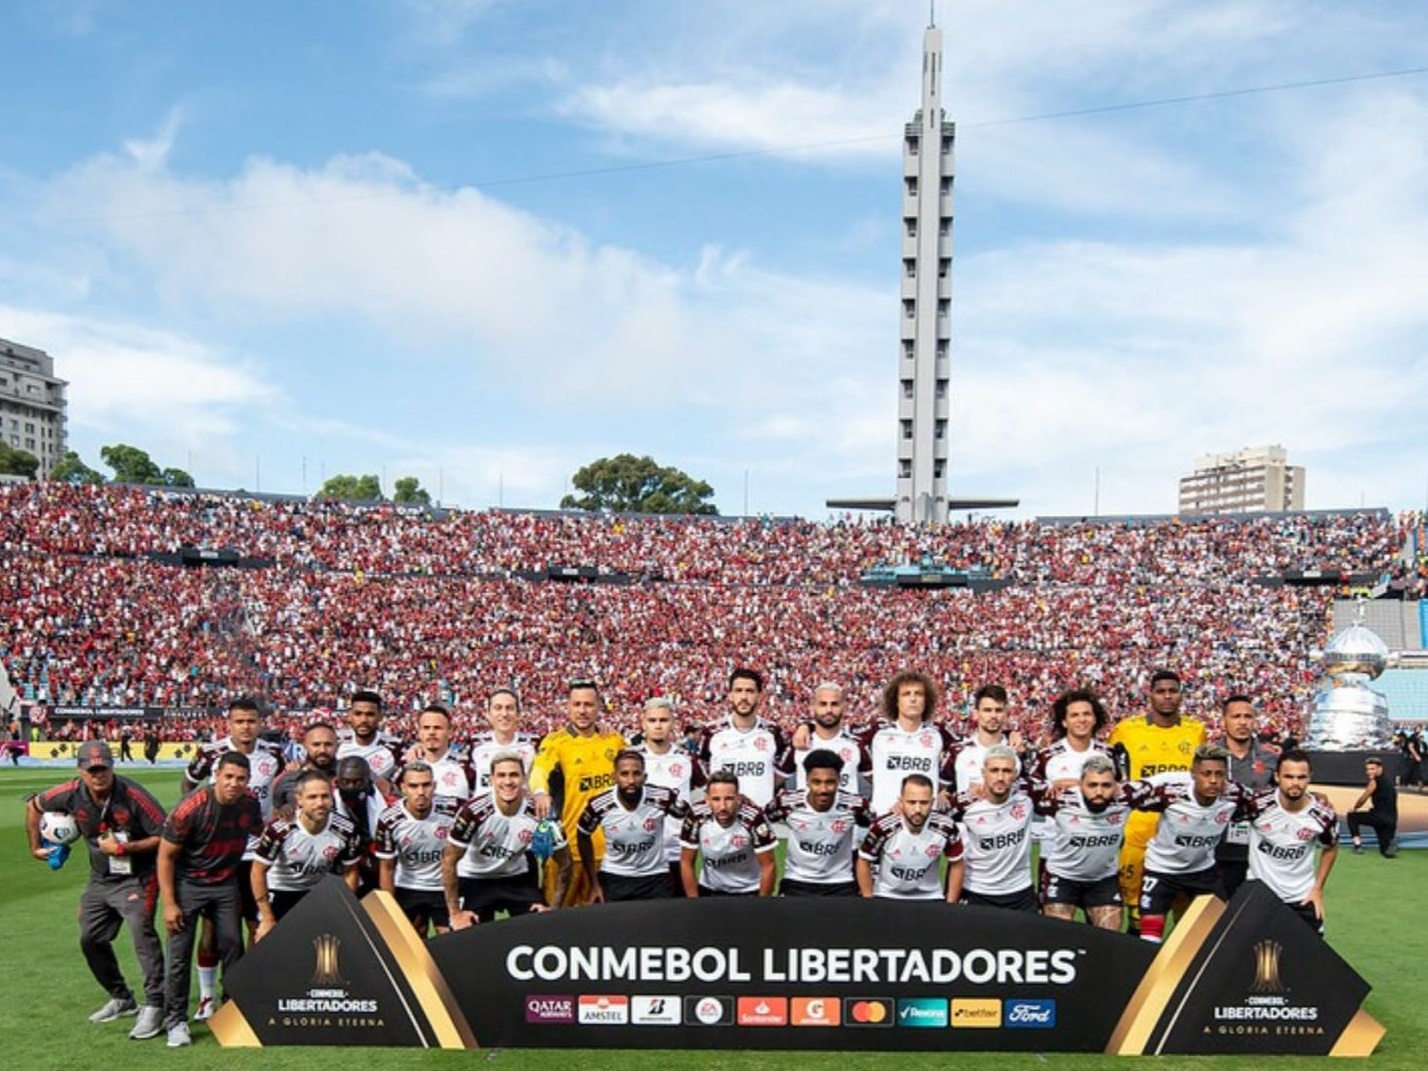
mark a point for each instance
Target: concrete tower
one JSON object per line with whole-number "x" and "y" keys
{"x": 924, "y": 362}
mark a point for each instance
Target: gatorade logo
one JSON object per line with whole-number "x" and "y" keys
{"x": 815, "y": 1011}
{"x": 867, "y": 1011}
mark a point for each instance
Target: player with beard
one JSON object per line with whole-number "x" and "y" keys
{"x": 827, "y": 731}
{"x": 1251, "y": 766}
{"x": 906, "y": 739}
{"x": 485, "y": 867}
{"x": 996, "y": 834}
{"x": 295, "y": 854}
{"x": 733, "y": 838}
{"x": 411, "y": 836}
{"x": 357, "y": 800}
{"x": 962, "y": 766}
{"x": 382, "y": 752}
{"x": 756, "y": 751}
{"x": 900, "y": 857}
{"x": 265, "y": 765}
{"x": 503, "y": 720}
{"x": 632, "y": 816}
{"x": 1382, "y": 815}
{"x": 319, "y": 744}
{"x": 821, "y": 822}
{"x": 1080, "y": 853}
{"x": 1286, "y": 826}
{"x": 668, "y": 767}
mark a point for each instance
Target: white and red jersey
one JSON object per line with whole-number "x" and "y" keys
{"x": 484, "y": 747}
{"x": 383, "y": 755}
{"x": 895, "y": 753}
{"x": 297, "y": 860}
{"x": 730, "y": 853}
{"x": 674, "y": 770}
{"x": 908, "y": 864}
{"x": 996, "y": 840}
{"x": 1185, "y": 838}
{"x": 265, "y": 764}
{"x": 1059, "y": 761}
{"x": 634, "y": 837}
{"x": 495, "y": 844}
{"x": 857, "y": 773}
{"x": 452, "y": 776}
{"x": 761, "y": 757}
{"x": 820, "y": 843}
{"x": 1082, "y": 844}
{"x": 1281, "y": 847}
{"x": 415, "y": 843}
{"x": 962, "y": 767}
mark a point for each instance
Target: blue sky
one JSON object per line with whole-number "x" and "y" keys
{"x": 273, "y": 241}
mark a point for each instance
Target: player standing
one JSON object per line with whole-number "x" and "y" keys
{"x": 821, "y": 822}
{"x": 1080, "y": 852}
{"x": 295, "y": 854}
{"x": 503, "y": 721}
{"x": 829, "y": 732}
{"x": 632, "y": 816}
{"x": 382, "y": 752}
{"x": 668, "y": 767}
{"x": 1286, "y": 826}
{"x": 734, "y": 840}
{"x": 411, "y": 837}
{"x": 757, "y": 752}
{"x": 906, "y": 739}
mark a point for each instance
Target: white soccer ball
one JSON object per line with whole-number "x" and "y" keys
{"x": 59, "y": 828}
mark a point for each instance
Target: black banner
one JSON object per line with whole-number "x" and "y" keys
{"x": 824, "y": 974}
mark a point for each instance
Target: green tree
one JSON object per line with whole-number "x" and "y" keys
{"x": 14, "y": 462}
{"x": 629, "y": 484}
{"x": 408, "y": 491}
{"x": 130, "y": 464}
{"x": 175, "y": 478}
{"x": 351, "y": 489}
{"x": 72, "y": 469}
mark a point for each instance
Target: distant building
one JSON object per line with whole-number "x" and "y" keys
{"x": 1258, "y": 479}
{"x": 32, "y": 404}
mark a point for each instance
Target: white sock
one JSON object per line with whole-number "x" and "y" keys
{"x": 207, "y": 983}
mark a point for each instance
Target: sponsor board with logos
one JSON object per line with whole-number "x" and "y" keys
{"x": 1250, "y": 977}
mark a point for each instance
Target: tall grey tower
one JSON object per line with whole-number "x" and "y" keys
{"x": 924, "y": 363}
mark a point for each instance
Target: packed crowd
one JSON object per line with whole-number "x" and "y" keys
{"x": 430, "y": 608}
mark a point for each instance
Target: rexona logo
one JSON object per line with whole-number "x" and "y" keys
{"x": 976, "y": 1012}
{"x": 867, "y": 1011}
{"x": 709, "y": 1011}
{"x": 1029, "y": 1015}
{"x": 655, "y": 1011}
{"x": 605, "y": 1010}
{"x": 922, "y": 1011}
{"x": 550, "y": 1009}
{"x": 815, "y": 1011}
{"x": 763, "y": 1011}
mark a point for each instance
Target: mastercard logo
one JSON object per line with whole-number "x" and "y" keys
{"x": 870, "y": 1011}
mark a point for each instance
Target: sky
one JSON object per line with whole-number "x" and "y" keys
{"x": 484, "y": 242}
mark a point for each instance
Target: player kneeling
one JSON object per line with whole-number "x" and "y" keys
{"x": 734, "y": 839}
{"x": 906, "y": 847}
{"x": 1080, "y": 865}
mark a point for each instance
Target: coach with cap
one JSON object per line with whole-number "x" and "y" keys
{"x": 121, "y": 822}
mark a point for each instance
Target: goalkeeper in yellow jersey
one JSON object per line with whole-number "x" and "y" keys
{"x": 1157, "y": 742}
{"x": 573, "y": 765}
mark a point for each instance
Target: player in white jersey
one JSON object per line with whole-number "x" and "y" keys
{"x": 265, "y": 764}
{"x": 454, "y": 776}
{"x": 1285, "y": 826}
{"x": 486, "y": 866}
{"x": 900, "y": 858}
{"x": 996, "y": 835}
{"x": 411, "y": 839}
{"x": 367, "y": 741}
{"x": 1080, "y": 853}
{"x": 1076, "y": 719}
{"x": 295, "y": 854}
{"x": 503, "y": 717}
{"x": 962, "y": 769}
{"x": 734, "y": 840}
{"x": 756, "y": 751}
{"x": 667, "y": 766}
{"x": 821, "y": 822}
{"x": 1180, "y": 859}
{"x": 632, "y": 817}
{"x": 829, "y": 733}
{"x": 906, "y": 740}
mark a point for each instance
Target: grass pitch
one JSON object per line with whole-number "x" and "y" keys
{"x": 1378, "y": 921}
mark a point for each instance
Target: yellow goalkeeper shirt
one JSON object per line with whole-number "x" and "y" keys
{"x": 1154, "y": 749}
{"x": 574, "y": 769}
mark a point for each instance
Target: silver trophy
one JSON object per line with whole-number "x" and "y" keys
{"x": 1349, "y": 715}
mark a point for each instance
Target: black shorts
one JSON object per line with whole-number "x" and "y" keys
{"x": 1083, "y": 894}
{"x": 618, "y": 888}
{"x": 486, "y": 896}
{"x": 793, "y": 887}
{"x": 706, "y": 893}
{"x": 676, "y": 882}
{"x": 1158, "y": 892}
{"x": 282, "y": 901}
{"x": 1023, "y": 900}
{"x": 424, "y": 906}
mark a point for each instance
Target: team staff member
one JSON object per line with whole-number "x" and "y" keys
{"x": 1382, "y": 815}
{"x": 120, "y": 821}
{"x": 1161, "y": 741}
{"x": 204, "y": 840}
{"x": 1251, "y": 766}
{"x": 572, "y": 766}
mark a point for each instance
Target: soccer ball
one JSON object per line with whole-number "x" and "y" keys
{"x": 59, "y": 828}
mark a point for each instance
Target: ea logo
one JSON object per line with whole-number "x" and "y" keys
{"x": 709, "y": 1011}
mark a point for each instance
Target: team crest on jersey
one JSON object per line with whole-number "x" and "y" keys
{"x": 924, "y": 739}
{"x": 1223, "y": 818}
{"x": 1114, "y": 818}
{"x": 441, "y": 832}
{"x": 761, "y": 744}
{"x": 651, "y": 824}
{"x": 1018, "y": 811}
{"x": 738, "y": 841}
{"x": 839, "y": 826}
{"x": 676, "y": 769}
{"x": 330, "y": 852}
{"x": 932, "y": 851}
{"x": 610, "y": 754}
{"x": 526, "y": 836}
{"x": 1304, "y": 834}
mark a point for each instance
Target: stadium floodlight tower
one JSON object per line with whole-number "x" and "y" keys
{"x": 924, "y": 359}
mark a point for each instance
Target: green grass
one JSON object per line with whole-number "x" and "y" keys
{"x": 1376, "y": 913}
